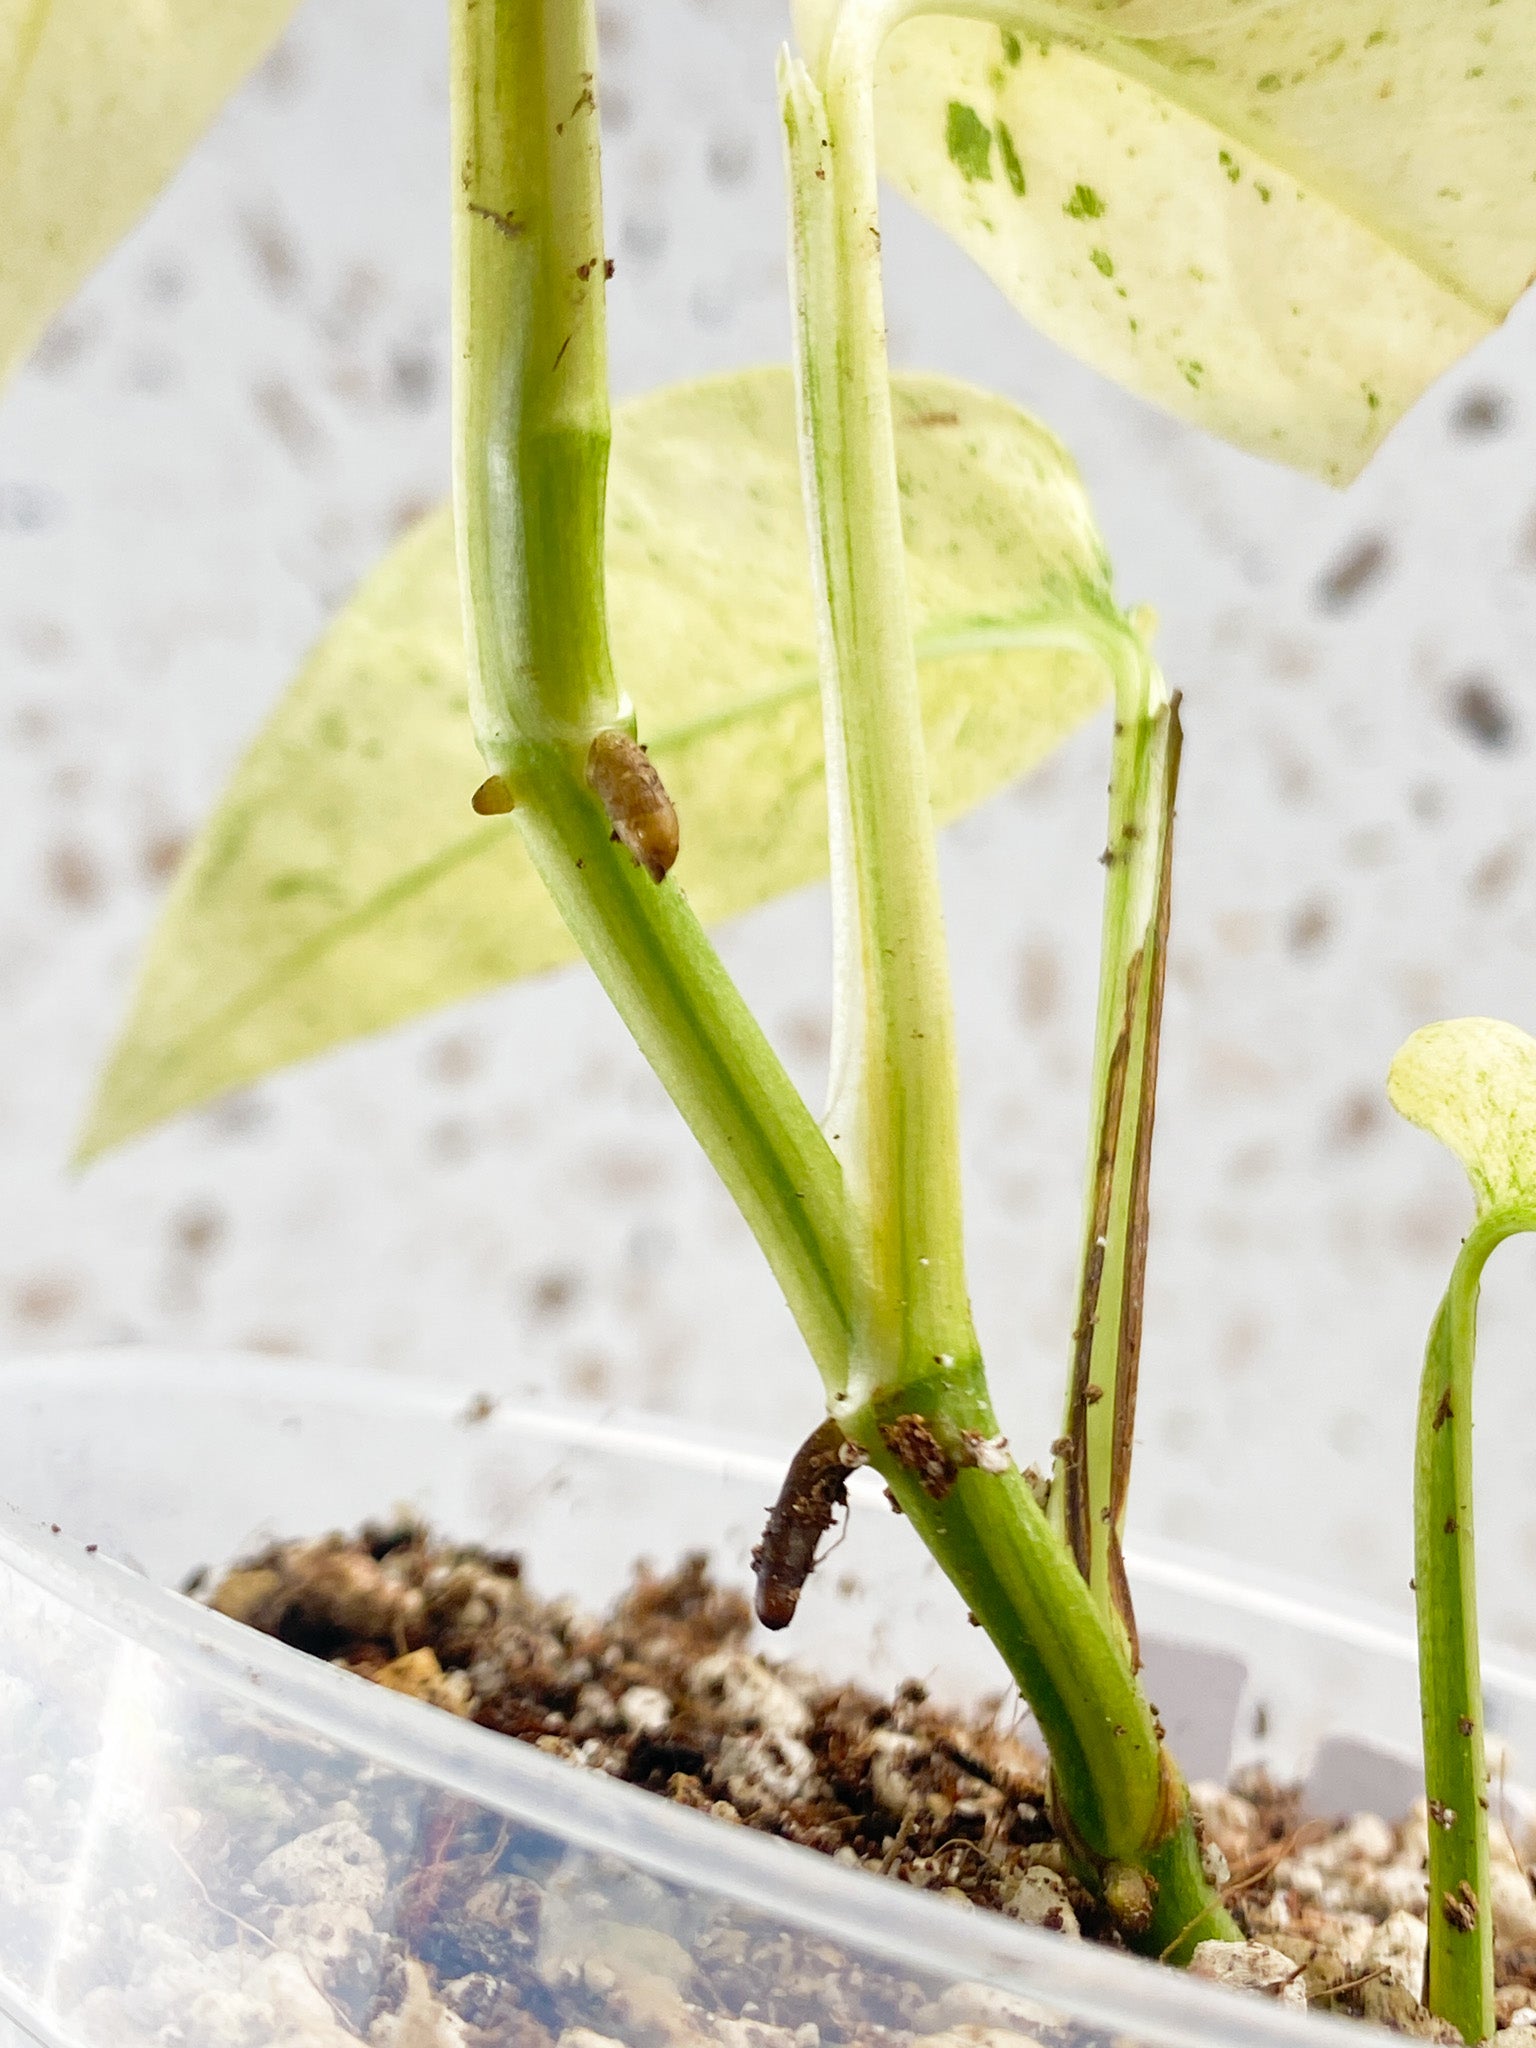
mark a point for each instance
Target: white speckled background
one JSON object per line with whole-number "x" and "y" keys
{"x": 229, "y": 426}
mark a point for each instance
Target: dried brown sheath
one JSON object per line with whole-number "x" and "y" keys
{"x": 1133, "y": 1293}
{"x": 1144, "y": 987}
{"x": 815, "y": 1486}
{"x": 1079, "y": 1508}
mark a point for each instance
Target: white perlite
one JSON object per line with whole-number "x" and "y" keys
{"x": 1397, "y": 1949}
{"x": 220, "y": 2001}
{"x": 339, "y": 1864}
{"x": 334, "y": 1943}
{"x": 963, "y": 2006}
{"x": 1514, "y": 1905}
{"x": 765, "y": 1767}
{"x": 1250, "y": 1966}
{"x": 645, "y": 1710}
{"x": 1367, "y": 1866}
{"x": 740, "y": 1687}
{"x": 1040, "y": 1899}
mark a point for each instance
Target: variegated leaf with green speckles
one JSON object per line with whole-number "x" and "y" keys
{"x": 344, "y": 883}
{"x": 99, "y": 102}
{"x": 1471, "y": 1083}
{"x": 1280, "y": 221}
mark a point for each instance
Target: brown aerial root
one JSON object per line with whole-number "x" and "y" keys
{"x": 814, "y": 1488}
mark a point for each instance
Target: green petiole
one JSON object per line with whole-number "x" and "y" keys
{"x": 895, "y": 1103}
{"x": 1459, "y": 1976}
{"x": 1470, "y": 1083}
{"x": 917, "y": 1401}
{"x": 1118, "y": 1796}
{"x": 531, "y": 460}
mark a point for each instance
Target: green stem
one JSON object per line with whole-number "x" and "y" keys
{"x": 895, "y": 1099}
{"x": 1459, "y": 1985}
{"x": 531, "y": 446}
{"x": 917, "y": 1400}
{"x": 1091, "y": 1483}
{"x": 1116, "y": 1790}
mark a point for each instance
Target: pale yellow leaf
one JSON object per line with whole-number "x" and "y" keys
{"x": 1471, "y": 1083}
{"x": 99, "y": 102}
{"x": 1280, "y": 221}
{"x": 345, "y": 884}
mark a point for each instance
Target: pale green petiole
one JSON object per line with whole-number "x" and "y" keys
{"x": 844, "y": 421}
{"x": 1459, "y": 1978}
{"x": 918, "y": 1402}
{"x": 532, "y": 432}
{"x": 894, "y": 1102}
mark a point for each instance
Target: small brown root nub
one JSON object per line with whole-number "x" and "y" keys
{"x": 492, "y": 799}
{"x": 815, "y": 1487}
{"x": 911, "y": 1439}
{"x": 1130, "y": 1895}
{"x": 620, "y": 774}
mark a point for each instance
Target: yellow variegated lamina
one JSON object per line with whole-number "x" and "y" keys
{"x": 99, "y": 102}
{"x": 1471, "y": 1083}
{"x": 1279, "y": 219}
{"x": 344, "y": 882}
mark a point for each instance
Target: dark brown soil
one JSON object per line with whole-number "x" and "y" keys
{"x": 665, "y": 1693}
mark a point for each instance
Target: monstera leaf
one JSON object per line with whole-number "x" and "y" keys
{"x": 1281, "y": 220}
{"x": 345, "y": 884}
{"x": 99, "y": 102}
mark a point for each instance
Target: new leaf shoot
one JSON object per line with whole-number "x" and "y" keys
{"x": 1470, "y": 1083}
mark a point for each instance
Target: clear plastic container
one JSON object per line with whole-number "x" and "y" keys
{"x": 209, "y": 1841}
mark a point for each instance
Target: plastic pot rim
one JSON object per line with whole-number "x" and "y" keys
{"x": 602, "y": 1814}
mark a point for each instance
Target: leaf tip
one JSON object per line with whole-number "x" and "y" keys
{"x": 95, "y": 1137}
{"x": 112, "y": 1117}
{"x": 1144, "y": 622}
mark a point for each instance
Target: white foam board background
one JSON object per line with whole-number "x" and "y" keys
{"x": 229, "y": 426}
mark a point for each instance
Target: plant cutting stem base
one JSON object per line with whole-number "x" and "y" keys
{"x": 1120, "y": 1798}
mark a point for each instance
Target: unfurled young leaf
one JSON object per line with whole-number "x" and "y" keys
{"x": 1471, "y": 1083}
{"x": 345, "y": 883}
{"x": 1280, "y": 221}
{"x": 101, "y": 100}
